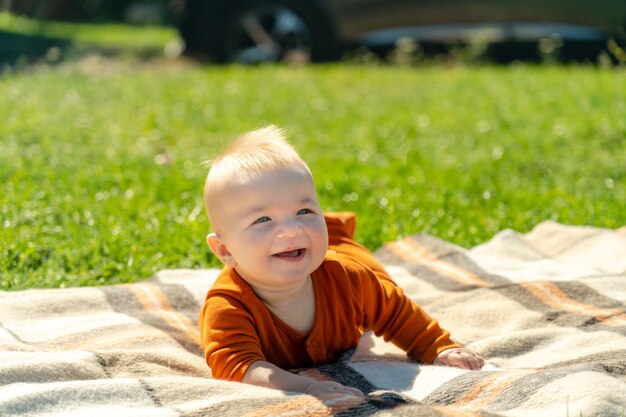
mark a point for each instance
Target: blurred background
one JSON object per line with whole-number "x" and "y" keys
{"x": 300, "y": 31}
{"x": 142, "y": 12}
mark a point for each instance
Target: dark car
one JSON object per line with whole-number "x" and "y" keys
{"x": 272, "y": 30}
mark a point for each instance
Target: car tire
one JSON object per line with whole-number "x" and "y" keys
{"x": 256, "y": 31}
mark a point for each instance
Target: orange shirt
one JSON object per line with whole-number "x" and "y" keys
{"x": 353, "y": 293}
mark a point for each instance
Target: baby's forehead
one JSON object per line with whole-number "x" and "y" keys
{"x": 242, "y": 177}
{"x": 242, "y": 185}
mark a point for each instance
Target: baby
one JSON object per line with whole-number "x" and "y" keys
{"x": 296, "y": 290}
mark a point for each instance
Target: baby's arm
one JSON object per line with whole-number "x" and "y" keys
{"x": 266, "y": 374}
{"x": 459, "y": 357}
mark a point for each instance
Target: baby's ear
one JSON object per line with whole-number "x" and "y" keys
{"x": 220, "y": 250}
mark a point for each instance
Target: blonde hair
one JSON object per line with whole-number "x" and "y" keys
{"x": 250, "y": 155}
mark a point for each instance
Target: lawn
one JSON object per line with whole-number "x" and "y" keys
{"x": 120, "y": 38}
{"x": 101, "y": 175}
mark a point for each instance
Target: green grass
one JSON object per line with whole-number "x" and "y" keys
{"x": 460, "y": 153}
{"x": 106, "y": 36}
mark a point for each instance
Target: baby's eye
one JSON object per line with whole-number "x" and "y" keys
{"x": 262, "y": 220}
{"x": 305, "y": 211}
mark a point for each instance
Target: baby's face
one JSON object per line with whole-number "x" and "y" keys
{"x": 273, "y": 228}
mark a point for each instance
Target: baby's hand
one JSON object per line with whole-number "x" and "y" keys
{"x": 459, "y": 357}
{"x": 329, "y": 387}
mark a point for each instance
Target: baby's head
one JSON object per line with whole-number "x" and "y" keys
{"x": 261, "y": 200}
{"x": 250, "y": 156}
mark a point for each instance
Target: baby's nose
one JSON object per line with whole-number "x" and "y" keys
{"x": 289, "y": 229}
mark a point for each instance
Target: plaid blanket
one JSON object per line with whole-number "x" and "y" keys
{"x": 546, "y": 309}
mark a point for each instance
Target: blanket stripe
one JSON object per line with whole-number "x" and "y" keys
{"x": 611, "y": 361}
{"x": 448, "y": 268}
{"x": 151, "y": 307}
{"x": 551, "y": 295}
{"x": 409, "y": 250}
{"x": 552, "y": 300}
{"x": 489, "y": 389}
{"x": 344, "y": 374}
{"x": 154, "y": 300}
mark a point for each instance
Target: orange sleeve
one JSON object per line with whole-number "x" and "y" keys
{"x": 229, "y": 338}
{"x": 341, "y": 228}
{"x": 394, "y": 316}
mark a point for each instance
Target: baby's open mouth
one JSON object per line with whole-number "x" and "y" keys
{"x": 290, "y": 253}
